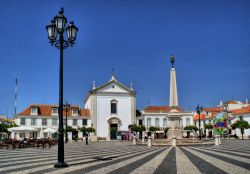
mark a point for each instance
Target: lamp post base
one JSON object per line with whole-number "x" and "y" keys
{"x": 61, "y": 165}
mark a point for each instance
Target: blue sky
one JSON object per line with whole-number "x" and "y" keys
{"x": 210, "y": 41}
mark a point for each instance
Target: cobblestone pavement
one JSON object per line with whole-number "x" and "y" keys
{"x": 122, "y": 157}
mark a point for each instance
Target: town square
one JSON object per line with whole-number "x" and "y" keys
{"x": 125, "y": 87}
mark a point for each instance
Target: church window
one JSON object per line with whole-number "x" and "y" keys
{"x": 157, "y": 122}
{"x": 113, "y": 107}
{"x": 187, "y": 121}
{"x": 148, "y": 121}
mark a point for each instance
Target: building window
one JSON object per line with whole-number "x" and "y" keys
{"x": 148, "y": 121}
{"x": 84, "y": 122}
{"x": 75, "y": 112}
{"x": 187, "y": 121}
{"x": 165, "y": 122}
{"x": 54, "y": 111}
{"x": 33, "y": 122}
{"x": 44, "y": 122}
{"x": 54, "y": 122}
{"x": 74, "y": 122}
{"x": 140, "y": 122}
{"x": 34, "y": 111}
{"x": 113, "y": 108}
{"x": 157, "y": 122}
{"x": 22, "y": 121}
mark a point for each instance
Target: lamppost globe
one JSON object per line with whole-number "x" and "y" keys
{"x": 52, "y": 31}
{"x": 71, "y": 32}
{"x": 60, "y": 21}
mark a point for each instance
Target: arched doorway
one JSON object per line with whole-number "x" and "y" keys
{"x": 114, "y": 123}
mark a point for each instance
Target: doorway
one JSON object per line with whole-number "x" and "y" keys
{"x": 113, "y": 131}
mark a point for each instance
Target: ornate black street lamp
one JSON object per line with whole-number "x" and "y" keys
{"x": 56, "y": 28}
{"x": 199, "y": 110}
{"x": 67, "y": 107}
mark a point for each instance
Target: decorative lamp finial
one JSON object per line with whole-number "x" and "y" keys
{"x": 172, "y": 60}
{"x": 131, "y": 86}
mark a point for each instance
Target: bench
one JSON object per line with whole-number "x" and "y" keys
{"x": 101, "y": 138}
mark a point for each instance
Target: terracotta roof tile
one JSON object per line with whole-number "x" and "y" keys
{"x": 244, "y": 110}
{"x": 46, "y": 110}
{"x": 214, "y": 110}
{"x": 161, "y": 109}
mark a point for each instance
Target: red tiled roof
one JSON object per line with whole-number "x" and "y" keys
{"x": 46, "y": 110}
{"x": 244, "y": 110}
{"x": 214, "y": 110}
{"x": 161, "y": 109}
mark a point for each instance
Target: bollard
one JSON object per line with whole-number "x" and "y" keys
{"x": 134, "y": 140}
{"x": 174, "y": 141}
{"x": 216, "y": 140}
{"x": 149, "y": 141}
{"x": 219, "y": 140}
{"x": 143, "y": 140}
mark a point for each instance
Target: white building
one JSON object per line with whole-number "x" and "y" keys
{"x": 112, "y": 106}
{"x": 42, "y": 116}
{"x": 241, "y": 114}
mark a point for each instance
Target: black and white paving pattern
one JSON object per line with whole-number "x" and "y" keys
{"x": 122, "y": 157}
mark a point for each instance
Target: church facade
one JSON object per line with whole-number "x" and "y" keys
{"x": 112, "y": 107}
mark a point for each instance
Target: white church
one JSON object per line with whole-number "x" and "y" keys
{"x": 112, "y": 105}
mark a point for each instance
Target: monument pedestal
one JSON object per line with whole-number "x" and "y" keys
{"x": 177, "y": 133}
{"x": 175, "y": 122}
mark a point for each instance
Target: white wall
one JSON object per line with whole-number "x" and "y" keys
{"x": 104, "y": 112}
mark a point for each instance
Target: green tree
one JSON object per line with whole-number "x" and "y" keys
{"x": 4, "y": 127}
{"x": 153, "y": 129}
{"x": 242, "y": 125}
{"x": 208, "y": 126}
{"x": 90, "y": 129}
{"x": 191, "y": 128}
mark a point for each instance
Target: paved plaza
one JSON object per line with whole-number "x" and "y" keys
{"x": 122, "y": 157}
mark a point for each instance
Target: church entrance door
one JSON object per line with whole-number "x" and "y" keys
{"x": 113, "y": 131}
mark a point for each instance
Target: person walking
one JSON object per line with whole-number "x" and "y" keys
{"x": 86, "y": 138}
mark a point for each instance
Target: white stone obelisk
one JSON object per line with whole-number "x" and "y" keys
{"x": 173, "y": 98}
{"x": 174, "y": 115}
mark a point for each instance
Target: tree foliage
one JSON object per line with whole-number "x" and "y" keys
{"x": 4, "y": 127}
{"x": 242, "y": 125}
{"x": 153, "y": 129}
{"x": 136, "y": 128}
{"x": 208, "y": 126}
{"x": 191, "y": 127}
